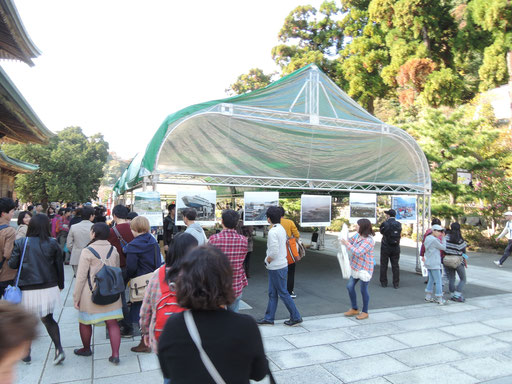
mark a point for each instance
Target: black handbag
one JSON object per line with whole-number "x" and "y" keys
{"x": 109, "y": 282}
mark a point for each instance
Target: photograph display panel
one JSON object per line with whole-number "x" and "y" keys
{"x": 202, "y": 201}
{"x": 315, "y": 210}
{"x": 363, "y": 206}
{"x": 256, "y": 205}
{"x": 148, "y": 204}
{"x": 405, "y": 207}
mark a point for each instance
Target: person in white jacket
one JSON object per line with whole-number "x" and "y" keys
{"x": 507, "y": 232}
{"x": 277, "y": 266}
{"x": 434, "y": 244}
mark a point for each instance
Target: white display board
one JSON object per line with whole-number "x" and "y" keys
{"x": 256, "y": 205}
{"x": 203, "y": 201}
{"x": 148, "y": 204}
{"x": 405, "y": 207}
{"x": 363, "y": 206}
{"x": 315, "y": 210}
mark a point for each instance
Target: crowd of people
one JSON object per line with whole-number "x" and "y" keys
{"x": 189, "y": 297}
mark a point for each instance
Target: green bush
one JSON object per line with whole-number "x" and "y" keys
{"x": 336, "y": 224}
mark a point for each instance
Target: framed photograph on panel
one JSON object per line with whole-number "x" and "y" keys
{"x": 256, "y": 205}
{"x": 315, "y": 210}
{"x": 405, "y": 207}
{"x": 202, "y": 201}
{"x": 363, "y": 206}
{"x": 148, "y": 204}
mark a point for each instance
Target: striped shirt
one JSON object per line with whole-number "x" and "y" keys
{"x": 235, "y": 248}
{"x": 455, "y": 248}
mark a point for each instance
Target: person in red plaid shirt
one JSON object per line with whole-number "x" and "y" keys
{"x": 235, "y": 248}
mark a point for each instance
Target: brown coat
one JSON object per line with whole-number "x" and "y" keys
{"x": 7, "y": 237}
{"x": 89, "y": 262}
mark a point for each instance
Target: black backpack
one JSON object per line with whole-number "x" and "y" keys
{"x": 393, "y": 233}
{"x": 109, "y": 282}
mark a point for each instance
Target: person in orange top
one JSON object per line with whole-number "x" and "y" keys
{"x": 291, "y": 231}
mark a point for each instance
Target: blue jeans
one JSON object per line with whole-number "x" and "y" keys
{"x": 167, "y": 381}
{"x": 461, "y": 271}
{"x": 235, "y": 305}
{"x": 351, "y": 287}
{"x": 277, "y": 288}
{"x": 434, "y": 277}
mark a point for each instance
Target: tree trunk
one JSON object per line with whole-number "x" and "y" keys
{"x": 426, "y": 38}
{"x": 370, "y": 106}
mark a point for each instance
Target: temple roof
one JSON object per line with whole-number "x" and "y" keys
{"x": 15, "y": 165}
{"x": 18, "y": 121}
{"x": 15, "y": 44}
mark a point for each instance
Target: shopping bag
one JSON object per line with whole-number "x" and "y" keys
{"x": 343, "y": 257}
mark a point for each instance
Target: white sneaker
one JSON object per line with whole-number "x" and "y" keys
{"x": 429, "y": 299}
{"x": 440, "y": 301}
{"x": 497, "y": 262}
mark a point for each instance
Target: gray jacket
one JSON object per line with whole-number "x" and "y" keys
{"x": 197, "y": 231}
{"x": 78, "y": 238}
{"x": 433, "y": 248}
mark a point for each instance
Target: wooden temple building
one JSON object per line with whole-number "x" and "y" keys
{"x": 18, "y": 122}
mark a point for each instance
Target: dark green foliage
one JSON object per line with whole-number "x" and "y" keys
{"x": 70, "y": 167}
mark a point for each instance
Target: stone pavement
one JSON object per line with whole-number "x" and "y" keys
{"x": 458, "y": 343}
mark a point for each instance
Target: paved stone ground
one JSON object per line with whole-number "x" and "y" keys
{"x": 424, "y": 343}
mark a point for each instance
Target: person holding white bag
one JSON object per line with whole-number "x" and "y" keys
{"x": 361, "y": 246}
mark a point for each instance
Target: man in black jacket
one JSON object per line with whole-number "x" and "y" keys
{"x": 390, "y": 248}
{"x": 170, "y": 228}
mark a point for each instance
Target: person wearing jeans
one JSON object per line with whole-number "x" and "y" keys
{"x": 434, "y": 244}
{"x": 277, "y": 266}
{"x": 351, "y": 287}
{"x": 456, "y": 292}
{"x": 507, "y": 232}
{"x": 362, "y": 261}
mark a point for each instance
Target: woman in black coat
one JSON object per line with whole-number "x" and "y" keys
{"x": 41, "y": 277}
{"x": 231, "y": 340}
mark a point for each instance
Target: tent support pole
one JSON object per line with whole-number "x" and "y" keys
{"x": 418, "y": 264}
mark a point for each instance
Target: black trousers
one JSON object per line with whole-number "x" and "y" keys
{"x": 388, "y": 254}
{"x": 507, "y": 252}
{"x": 290, "y": 282}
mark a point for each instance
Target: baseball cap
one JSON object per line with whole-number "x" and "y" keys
{"x": 437, "y": 227}
{"x": 390, "y": 212}
{"x": 509, "y": 213}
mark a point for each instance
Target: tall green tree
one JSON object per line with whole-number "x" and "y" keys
{"x": 251, "y": 81}
{"x": 70, "y": 167}
{"x": 459, "y": 141}
{"x": 310, "y": 36}
{"x": 496, "y": 18}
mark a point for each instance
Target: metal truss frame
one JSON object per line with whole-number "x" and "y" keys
{"x": 166, "y": 177}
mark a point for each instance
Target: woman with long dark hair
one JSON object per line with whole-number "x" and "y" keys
{"x": 456, "y": 246}
{"x": 41, "y": 276}
{"x": 23, "y": 220}
{"x": 159, "y": 286}
{"x": 88, "y": 266}
{"x": 361, "y": 246}
{"x": 231, "y": 340}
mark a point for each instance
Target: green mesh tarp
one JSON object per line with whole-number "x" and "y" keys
{"x": 302, "y": 127}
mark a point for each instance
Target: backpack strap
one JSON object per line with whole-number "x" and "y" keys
{"x": 122, "y": 241}
{"x": 93, "y": 251}
{"x": 164, "y": 287}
